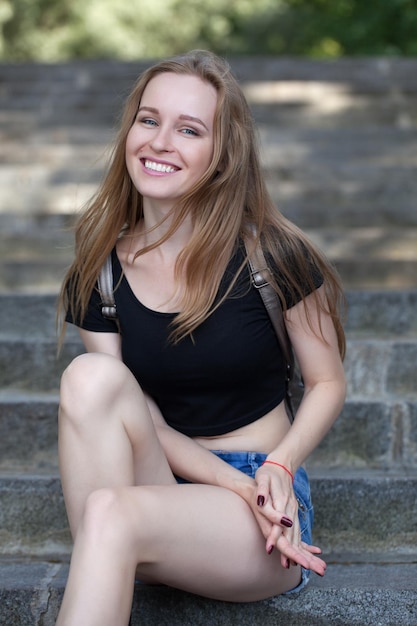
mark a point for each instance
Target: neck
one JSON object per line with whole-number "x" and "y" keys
{"x": 154, "y": 227}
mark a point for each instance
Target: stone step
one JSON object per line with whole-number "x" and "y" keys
{"x": 344, "y": 177}
{"x": 381, "y": 327}
{"x": 373, "y": 366}
{"x": 46, "y": 276}
{"x": 378, "y": 512}
{"x": 33, "y": 365}
{"x": 68, "y": 151}
{"x": 373, "y": 433}
{"x": 339, "y": 138}
{"x": 370, "y": 314}
{"x": 376, "y": 432}
{"x": 378, "y": 593}
{"x": 44, "y": 273}
{"x": 36, "y": 251}
{"x": 28, "y": 432}
{"x": 368, "y": 75}
{"x": 68, "y": 93}
{"x": 339, "y": 146}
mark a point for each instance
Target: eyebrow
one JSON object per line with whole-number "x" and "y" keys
{"x": 189, "y": 118}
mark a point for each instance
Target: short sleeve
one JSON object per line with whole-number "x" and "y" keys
{"x": 94, "y": 319}
{"x": 309, "y": 278}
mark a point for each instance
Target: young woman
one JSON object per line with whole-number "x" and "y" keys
{"x": 179, "y": 464}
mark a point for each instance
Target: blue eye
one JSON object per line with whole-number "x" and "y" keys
{"x": 190, "y": 131}
{"x": 148, "y": 122}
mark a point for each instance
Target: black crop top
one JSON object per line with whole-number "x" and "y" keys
{"x": 229, "y": 375}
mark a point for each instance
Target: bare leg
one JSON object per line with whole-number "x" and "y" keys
{"x": 198, "y": 538}
{"x": 106, "y": 435}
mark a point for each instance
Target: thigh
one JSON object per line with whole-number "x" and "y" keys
{"x": 106, "y": 434}
{"x": 204, "y": 540}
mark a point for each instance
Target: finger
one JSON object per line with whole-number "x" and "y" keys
{"x": 285, "y": 562}
{"x": 311, "y": 549}
{"x": 263, "y": 522}
{"x": 276, "y": 516}
{"x": 262, "y": 491}
{"x": 272, "y": 539}
{"x": 301, "y": 556}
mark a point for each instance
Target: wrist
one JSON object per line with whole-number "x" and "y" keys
{"x": 286, "y": 457}
{"x": 243, "y": 486}
{"x": 281, "y": 466}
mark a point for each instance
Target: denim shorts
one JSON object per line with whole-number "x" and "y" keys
{"x": 249, "y": 462}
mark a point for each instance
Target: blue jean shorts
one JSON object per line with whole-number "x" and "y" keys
{"x": 249, "y": 462}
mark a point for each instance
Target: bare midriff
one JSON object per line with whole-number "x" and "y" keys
{"x": 261, "y": 436}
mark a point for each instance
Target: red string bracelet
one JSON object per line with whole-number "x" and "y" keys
{"x": 282, "y": 466}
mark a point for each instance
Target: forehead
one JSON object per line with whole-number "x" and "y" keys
{"x": 181, "y": 93}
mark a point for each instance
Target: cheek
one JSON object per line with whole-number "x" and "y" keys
{"x": 205, "y": 159}
{"x": 134, "y": 140}
{"x": 130, "y": 152}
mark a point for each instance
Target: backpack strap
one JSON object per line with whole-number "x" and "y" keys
{"x": 260, "y": 279}
{"x": 105, "y": 287}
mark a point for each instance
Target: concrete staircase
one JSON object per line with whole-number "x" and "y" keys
{"x": 340, "y": 152}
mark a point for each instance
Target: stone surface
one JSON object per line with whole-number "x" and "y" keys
{"x": 338, "y": 147}
{"x": 358, "y": 510}
{"x": 349, "y": 595}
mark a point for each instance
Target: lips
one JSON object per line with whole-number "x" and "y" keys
{"x": 162, "y": 168}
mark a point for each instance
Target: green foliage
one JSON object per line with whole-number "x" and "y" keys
{"x": 50, "y": 30}
{"x": 355, "y": 27}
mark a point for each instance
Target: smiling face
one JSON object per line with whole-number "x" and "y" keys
{"x": 170, "y": 145}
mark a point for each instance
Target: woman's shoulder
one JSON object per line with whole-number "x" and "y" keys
{"x": 297, "y": 268}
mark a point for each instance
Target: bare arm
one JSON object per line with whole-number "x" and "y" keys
{"x": 193, "y": 462}
{"x": 107, "y": 343}
{"x": 324, "y": 384}
{"x": 324, "y": 395}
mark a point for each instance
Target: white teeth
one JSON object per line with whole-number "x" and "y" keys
{"x": 159, "y": 167}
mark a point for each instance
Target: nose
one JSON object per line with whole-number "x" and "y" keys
{"x": 161, "y": 140}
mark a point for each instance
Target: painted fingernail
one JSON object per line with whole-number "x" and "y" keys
{"x": 287, "y": 564}
{"x": 285, "y": 521}
{"x": 261, "y": 501}
{"x": 270, "y": 549}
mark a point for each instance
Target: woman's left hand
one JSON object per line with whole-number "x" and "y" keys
{"x": 276, "y": 510}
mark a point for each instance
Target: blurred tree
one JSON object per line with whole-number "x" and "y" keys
{"x": 351, "y": 27}
{"x": 50, "y": 30}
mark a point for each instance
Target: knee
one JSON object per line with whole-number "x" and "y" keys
{"x": 104, "y": 513}
{"x": 90, "y": 379}
{"x": 108, "y": 518}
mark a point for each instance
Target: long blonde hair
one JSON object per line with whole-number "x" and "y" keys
{"x": 228, "y": 203}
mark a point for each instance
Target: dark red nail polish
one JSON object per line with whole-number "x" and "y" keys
{"x": 261, "y": 501}
{"x": 287, "y": 564}
{"x": 270, "y": 549}
{"x": 285, "y": 521}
